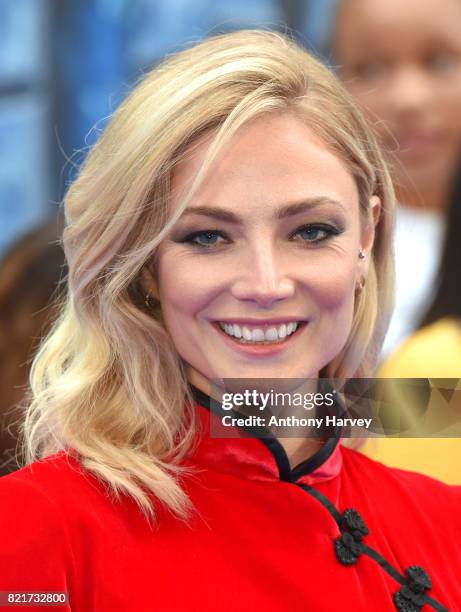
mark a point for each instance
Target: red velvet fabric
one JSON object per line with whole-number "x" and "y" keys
{"x": 254, "y": 542}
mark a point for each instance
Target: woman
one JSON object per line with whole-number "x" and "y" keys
{"x": 401, "y": 61}
{"x": 434, "y": 350}
{"x": 234, "y": 221}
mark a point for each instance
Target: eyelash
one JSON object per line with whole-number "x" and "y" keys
{"x": 328, "y": 229}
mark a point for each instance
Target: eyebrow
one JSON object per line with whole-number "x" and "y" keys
{"x": 281, "y": 212}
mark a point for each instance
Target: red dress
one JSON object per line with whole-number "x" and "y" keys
{"x": 339, "y": 532}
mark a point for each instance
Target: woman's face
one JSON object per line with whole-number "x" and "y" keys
{"x": 269, "y": 243}
{"x": 401, "y": 60}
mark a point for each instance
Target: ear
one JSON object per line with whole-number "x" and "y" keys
{"x": 149, "y": 283}
{"x": 368, "y": 233}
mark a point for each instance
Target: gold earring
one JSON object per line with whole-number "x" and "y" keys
{"x": 148, "y": 301}
{"x": 361, "y": 285}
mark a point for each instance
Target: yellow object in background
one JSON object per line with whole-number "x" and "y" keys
{"x": 432, "y": 352}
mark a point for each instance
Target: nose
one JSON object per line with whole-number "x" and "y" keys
{"x": 264, "y": 278}
{"x": 410, "y": 90}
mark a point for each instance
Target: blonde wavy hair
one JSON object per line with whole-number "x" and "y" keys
{"x": 107, "y": 382}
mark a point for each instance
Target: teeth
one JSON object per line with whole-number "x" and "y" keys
{"x": 246, "y": 333}
{"x": 229, "y": 329}
{"x": 237, "y": 331}
{"x": 257, "y": 335}
{"x": 271, "y": 334}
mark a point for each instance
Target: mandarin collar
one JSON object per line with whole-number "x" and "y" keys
{"x": 254, "y": 458}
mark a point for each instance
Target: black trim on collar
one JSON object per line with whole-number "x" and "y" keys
{"x": 286, "y": 473}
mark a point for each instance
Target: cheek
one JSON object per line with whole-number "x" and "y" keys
{"x": 332, "y": 283}
{"x": 192, "y": 287}
{"x": 184, "y": 287}
{"x": 451, "y": 115}
{"x": 335, "y": 291}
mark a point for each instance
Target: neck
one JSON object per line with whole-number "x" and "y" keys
{"x": 300, "y": 449}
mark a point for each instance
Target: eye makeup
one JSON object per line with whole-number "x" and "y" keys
{"x": 208, "y": 238}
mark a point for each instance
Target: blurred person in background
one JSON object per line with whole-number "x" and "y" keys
{"x": 433, "y": 351}
{"x": 29, "y": 287}
{"x": 401, "y": 60}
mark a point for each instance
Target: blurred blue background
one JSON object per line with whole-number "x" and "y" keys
{"x": 65, "y": 65}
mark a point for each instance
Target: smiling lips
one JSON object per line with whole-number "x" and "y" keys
{"x": 261, "y": 333}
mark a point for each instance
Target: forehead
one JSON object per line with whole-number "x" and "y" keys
{"x": 268, "y": 161}
{"x": 398, "y": 24}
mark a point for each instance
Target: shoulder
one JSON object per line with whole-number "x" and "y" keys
{"x": 36, "y": 551}
{"x": 57, "y": 494}
{"x": 50, "y": 511}
{"x": 26, "y": 494}
{"x": 52, "y": 481}
{"x": 401, "y": 486}
{"x": 405, "y": 504}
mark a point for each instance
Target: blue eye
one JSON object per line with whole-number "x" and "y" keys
{"x": 205, "y": 238}
{"x": 315, "y": 233}
{"x": 310, "y": 233}
{"x": 211, "y": 239}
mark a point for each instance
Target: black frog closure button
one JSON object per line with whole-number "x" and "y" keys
{"x": 411, "y": 596}
{"x": 349, "y": 546}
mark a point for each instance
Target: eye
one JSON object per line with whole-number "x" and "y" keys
{"x": 441, "y": 62}
{"x": 370, "y": 71}
{"x": 315, "y": 233}
{"x": 204, "y": 238}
